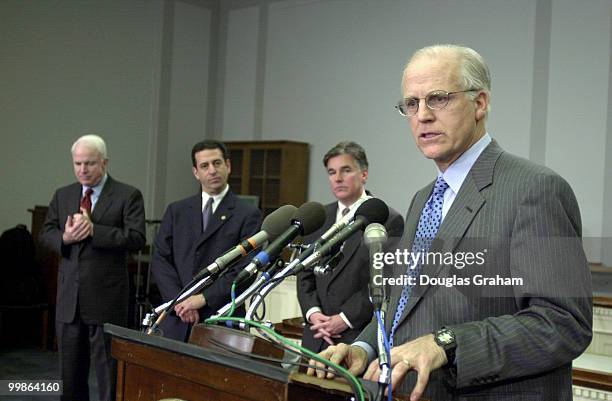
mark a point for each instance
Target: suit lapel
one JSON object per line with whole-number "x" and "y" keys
{"x": 195, "y": 215}
{"x": 104, "y": 201}
{"x": 219, "y": 218}
{"x": 349, "y": 248}
{"x": 76, "y": 193}
{"x": 330, "y": 219}
{"x": 459, "y": 217}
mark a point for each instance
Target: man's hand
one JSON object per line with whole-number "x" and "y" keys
{"x": 351, "y": 357}
{"x": 77, "y": 228}
{"x": 85, "y": 219}
{"x": 421, "y": 354}
{"x": 188, "y": 309}
{"x": 327, "y": 327}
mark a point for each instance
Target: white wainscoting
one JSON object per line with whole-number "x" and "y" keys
{"x": 282, "y": 302}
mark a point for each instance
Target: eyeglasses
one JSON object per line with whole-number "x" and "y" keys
{"x": 435, "y": 100}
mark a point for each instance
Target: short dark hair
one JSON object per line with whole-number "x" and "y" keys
{"x": 350, "y": 148}
{"x": 209, "y": 144}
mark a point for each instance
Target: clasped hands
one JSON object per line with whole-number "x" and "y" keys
{"x": 327, "y": 327}
{"x": 77, "y": 227}
{"x": 422, "y": 355}
{"x": 187, "y": 310}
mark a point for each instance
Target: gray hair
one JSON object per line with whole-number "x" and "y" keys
{"x": 473, "y": 69}
{"x": 350, "y": 148}
{"x": 93, "y": 141}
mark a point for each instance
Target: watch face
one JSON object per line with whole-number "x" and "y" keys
{"x": 445, "y": 337}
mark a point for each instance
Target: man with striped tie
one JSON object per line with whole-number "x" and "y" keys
{"x": 507, "y": 325}
{"x": 336, "y": 306}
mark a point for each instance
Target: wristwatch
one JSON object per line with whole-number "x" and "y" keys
{"x": 445, "y": 338}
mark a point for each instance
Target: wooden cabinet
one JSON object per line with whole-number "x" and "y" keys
{"x": 274, "y": 171}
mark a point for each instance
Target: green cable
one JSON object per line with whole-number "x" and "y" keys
{"x": 312, "y": 355}
{"x": 233, "y": 295}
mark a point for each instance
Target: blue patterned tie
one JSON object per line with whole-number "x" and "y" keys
{"x": 429, "y": 222}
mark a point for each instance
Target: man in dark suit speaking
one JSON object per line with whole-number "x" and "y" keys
{"x": 194, "y": 232}
{"x": 336, "y": 306}
{"x": 92, "y": 224}
{"x": 507, "y": 325}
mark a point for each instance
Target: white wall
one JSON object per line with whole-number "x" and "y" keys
{"x": 579, "y": 107}
{"x": 136, "y": 72}
{"x": 155, "y": 76}
{"x": 332, "y": 71}
{"x": 188, "y": 96}
{"x": 67, "y": 68}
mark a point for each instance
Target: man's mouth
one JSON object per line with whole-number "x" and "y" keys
{"x": 429, "y": 135}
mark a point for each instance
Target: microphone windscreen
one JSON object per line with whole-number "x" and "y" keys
{"x": 278, "y": 221}
{"x": 374, "y": 211}
{"x": 374, "y": 233}
{"x": 311, "y": 216}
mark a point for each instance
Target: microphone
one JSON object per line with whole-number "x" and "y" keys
{"x": 371, "y": 211}
{"x": 374, "y": 237}
{"x": 273, "y": 225}
{"x": 307, "y": 219}
{"x": 340, "y": 224}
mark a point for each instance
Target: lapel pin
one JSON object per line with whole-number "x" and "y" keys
{"x": 223, "y": 217}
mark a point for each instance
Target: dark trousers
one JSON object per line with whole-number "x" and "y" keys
{"x": 79, "y": 343}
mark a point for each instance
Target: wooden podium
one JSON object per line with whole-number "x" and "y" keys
{"x": 152, "y": 368}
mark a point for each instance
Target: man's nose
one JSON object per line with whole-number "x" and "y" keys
{"x": 424, "y": 113}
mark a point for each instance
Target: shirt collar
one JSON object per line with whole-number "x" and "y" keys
{"x": 216, "y": 198}
{"x": 342, "y": 206}
{"x": 97, "y": 189}
{"x": 455, "y": 173}
{"x": 364, "y": 196}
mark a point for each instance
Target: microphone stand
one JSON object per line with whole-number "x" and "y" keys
{"x": 241, "y": 299}
{"x": 152, "y": 320}
{"x": 383, "y": 362}
{"x": 265, "y": 290}
{"x": 380, "y": 301}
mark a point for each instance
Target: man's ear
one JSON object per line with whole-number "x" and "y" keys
{"x": 482, "y": 102}
{"x": 364, "y": 176}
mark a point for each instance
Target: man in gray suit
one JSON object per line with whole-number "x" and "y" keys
{"x": 336, "y": 306}
{"x": 92, "y": 224}
{"x": 507, "y": 325}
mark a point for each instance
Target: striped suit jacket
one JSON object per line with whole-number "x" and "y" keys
{"x": 514, "y": 342}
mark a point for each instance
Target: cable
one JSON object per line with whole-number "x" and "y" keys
{"x": 381, "y": 388}
{"x": 230, "y": 312}
{"x": 236, "y": 351}
{"x": 357, "y": 388}
{"x": 256, "y": 315}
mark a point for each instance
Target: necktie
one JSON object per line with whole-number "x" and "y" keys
{"x": 345, "y": 211}
{"x": 207, "y": 214}
{"x": 86, "y": 201}
{"x": 429, "y": 223}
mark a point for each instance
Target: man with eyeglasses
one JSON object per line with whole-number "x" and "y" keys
{"x": 336, "y": 306}
{"x": 508, "y": 324}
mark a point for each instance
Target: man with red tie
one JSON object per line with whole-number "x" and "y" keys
{"x": 92, "y": 224}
